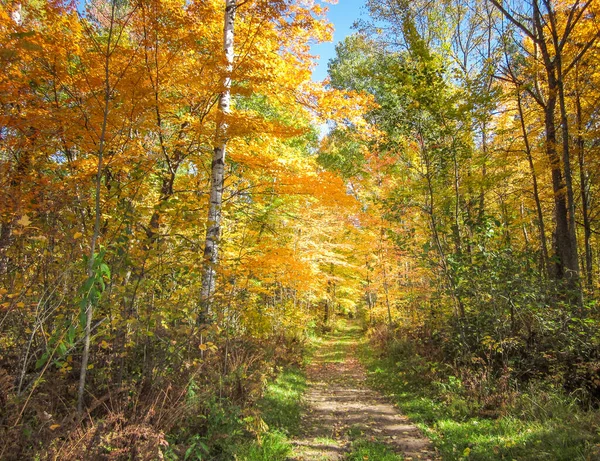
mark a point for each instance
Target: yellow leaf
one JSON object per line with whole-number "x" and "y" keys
{"x": 24, "y": 221}
{"x": 21, "y": 304}
{"x": 90, "y": 366}
{"x": 54, "y": 427}
{"x": 77, "y": 235}
{"x": 203, "y": 347}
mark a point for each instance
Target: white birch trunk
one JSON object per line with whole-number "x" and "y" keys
{"x": 213, "y": 228}
{"x": 16, "y": 14}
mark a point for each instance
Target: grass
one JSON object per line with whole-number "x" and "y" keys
{"x": 274, "y": 446}
{"x": 557, "y": 430}
{"x": 332, "y": 347}
{"x": 281, "y": 405}
{"x": 281, "y": 410}
{"x": 363, "y": 450}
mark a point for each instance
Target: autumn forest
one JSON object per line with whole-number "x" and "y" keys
{"x": 188, "y": 221}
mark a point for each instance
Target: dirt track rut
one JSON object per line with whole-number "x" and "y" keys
{"x": 340, "y": 407}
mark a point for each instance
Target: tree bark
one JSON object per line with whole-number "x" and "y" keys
{"x": 585, "y": 192}
{"x": 460, "y": 307}
{"x": 536, "y": 194}
{"x": 564, "y": 121}
{"x": 213, "y": 227}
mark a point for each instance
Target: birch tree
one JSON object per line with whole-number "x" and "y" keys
{"x": 213, "y": 225}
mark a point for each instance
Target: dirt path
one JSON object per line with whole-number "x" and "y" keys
{"x": 340, "y": 408}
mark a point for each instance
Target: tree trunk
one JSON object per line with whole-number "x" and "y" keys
{"x": 585, "y": 194}
{"x": 97, "y": 211}
{"x": 565, "y": 245}
{"x": 561, "y": 240}
{"x": 213, "y": 225}
{"x": 460, "y": 307}
{"x": 573, "y": 274}
{"x": 536, "y": 194}
{"x": 387, "y": 298}
{"x": 16, "y": 15}
{"x": 456, "y": 226}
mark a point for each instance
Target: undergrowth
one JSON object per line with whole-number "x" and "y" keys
{"x": 240, "y": 400}
{"x": 280, "y": 410}
{"x": 539, "y": 422}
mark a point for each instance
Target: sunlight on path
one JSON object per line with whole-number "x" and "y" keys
{"x": 340, "y": 408}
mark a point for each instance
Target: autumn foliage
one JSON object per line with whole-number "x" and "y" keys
{"x": 479, "y": 190}
{"x": 441, "y": 186}
{"x": 108, "y": 118}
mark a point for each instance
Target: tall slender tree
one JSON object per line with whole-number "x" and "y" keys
{"x": 213, "y": 227}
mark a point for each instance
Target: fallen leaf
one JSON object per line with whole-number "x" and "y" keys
{"x": 24, "y": 221}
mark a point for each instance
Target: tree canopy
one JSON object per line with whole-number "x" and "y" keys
{"x": 172, "y": 202}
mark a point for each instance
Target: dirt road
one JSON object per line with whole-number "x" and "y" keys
{"x": 341, "y": 408}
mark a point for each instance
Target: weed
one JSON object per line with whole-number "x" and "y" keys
{"x": 280, "y": 408}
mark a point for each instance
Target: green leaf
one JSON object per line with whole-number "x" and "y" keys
{"x": 42, "y": 360}
{"x": 88, "y": 284}
{"x": 30, "y": 33}
{"x": 105, "y": 270}
{"x": 31, "y": 46}
{"x": 71, "y": 335}
{"x": 82, "y": 313}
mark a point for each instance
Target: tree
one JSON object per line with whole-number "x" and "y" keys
{"x": 213, "y": 228}
{"x": 540, "y": 23}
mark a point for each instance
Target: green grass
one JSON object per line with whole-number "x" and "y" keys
{"x": 563, "y": 432}
{"x": 281, "y": 405}
{"x": 274, "y": 446}
{"x": 281, "y": 410}
{"x": 363, "y": 450}
{"x": 333, "y": 346}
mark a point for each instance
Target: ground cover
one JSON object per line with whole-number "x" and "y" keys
{"x": 541, "y": 424}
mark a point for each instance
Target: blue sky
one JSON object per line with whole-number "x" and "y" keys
{"x": 342, "y": 15}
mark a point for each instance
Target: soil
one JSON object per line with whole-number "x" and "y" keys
{"x": 340, "y": 408}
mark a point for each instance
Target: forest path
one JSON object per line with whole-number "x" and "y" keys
{"x": 340, "y": 407}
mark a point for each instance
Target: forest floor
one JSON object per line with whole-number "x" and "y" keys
{"x": 343, "y": 418}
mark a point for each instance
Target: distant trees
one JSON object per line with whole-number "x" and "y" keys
{"x": 479, "y": 175}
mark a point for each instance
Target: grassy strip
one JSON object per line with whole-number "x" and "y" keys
{"x": 281, "y": 410}
{"x": 362, "y": 450}
{"x": 281, "y": 406}
{"x": 543, "y": 426}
